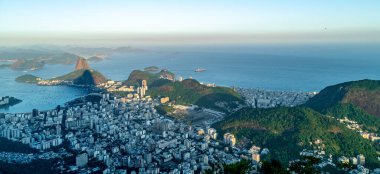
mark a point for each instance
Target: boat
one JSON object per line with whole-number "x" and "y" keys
{"x": 199, "y": 70}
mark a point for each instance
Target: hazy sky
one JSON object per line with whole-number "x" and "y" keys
{"x": 237, "y": 20}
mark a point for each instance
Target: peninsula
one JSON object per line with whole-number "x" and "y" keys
{"x": 82, "y": 76}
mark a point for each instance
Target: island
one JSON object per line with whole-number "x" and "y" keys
{"x": 8, "y": 101}
{"x": 28, "y": 78}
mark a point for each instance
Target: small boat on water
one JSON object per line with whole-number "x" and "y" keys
{"x": 199, "y": 70}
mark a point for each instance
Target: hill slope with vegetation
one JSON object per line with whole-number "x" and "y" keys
{"x": 136, "y": 76}
{"x": 364, "y": 94}
{"x": 190, "y": 91}
{"x": 83, "y": 77}
{"x": 27, "y": 78}
{"x": 286, "y": 131}
{"x": 86, "y": 77}
{"x": 185, "y": 92}
{"x": 356, "y": 100}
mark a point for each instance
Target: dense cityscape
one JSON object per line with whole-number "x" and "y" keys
{"x": 124, "y": 133}
{"x": 189, "y": 87}
{"x": 127, "y": 135}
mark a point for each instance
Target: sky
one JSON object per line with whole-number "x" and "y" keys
{"x": 192, "y": 20}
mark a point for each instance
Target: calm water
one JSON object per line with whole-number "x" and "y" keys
{"x": 292, "y": 67}
{"x": 33, "y": 96}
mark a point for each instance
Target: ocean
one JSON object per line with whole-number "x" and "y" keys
{"x": 278, "y": 67}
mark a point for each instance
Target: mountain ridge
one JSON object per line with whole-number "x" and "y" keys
{"x": 364, "y": 94}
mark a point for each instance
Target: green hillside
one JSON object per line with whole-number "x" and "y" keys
{"x": 356, "y": 100}
{"x": 83, "y": 77}
{"x": 137, "y": 76}
{"x": 190, "y": 91}
{"x": 27, "y": 78}
{"x": 79, "y": 77}
{"x": 369, "y": 122}
{"x": 364, "y": 94}
{"x": 186, "y": 92}
{"x": 286, "y": 131}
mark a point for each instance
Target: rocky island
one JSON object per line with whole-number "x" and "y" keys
{"x": 8, "y": 101}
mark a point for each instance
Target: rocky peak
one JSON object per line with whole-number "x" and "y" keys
{"x": 81, "y": 64}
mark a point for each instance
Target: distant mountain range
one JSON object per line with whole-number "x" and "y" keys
{"x": 36, "y": 57}
{"x": 286, "y": 131}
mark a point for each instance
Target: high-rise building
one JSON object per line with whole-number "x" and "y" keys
{"x": 204, "y": 159}
{"x": 229, "y": 139}
{"x": 187, "y": 143}
{"x": 35, "y": 112}
{"x": 148, "y": 158}
{"x": 81, "y": 160}
{"x": 200, "y": 131}
{"x": 144, "y": 84}
{"x": 254, "y": 149}
{"x": 354, "y": 161}
{"x": 58, "y": 129}
{"x": 361, "y": 159}
{"x": 141, "y": 91}
{"x": 212, "y": 133}
{"x": 256, "y": 157}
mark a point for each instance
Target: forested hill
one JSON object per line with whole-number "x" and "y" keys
{"x": 356, "y": 100}
{"x": 364, "y": 94}
{"x": 189, "y": 91}
{"x": 286, "y": 131}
